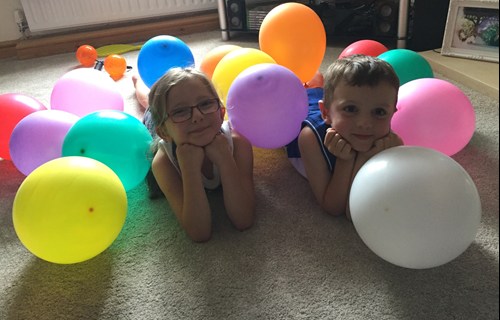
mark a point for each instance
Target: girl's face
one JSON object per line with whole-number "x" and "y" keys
{"x": 362, "y": 114}
{"x": 201, "y": 129}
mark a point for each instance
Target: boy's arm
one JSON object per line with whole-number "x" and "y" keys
{"x": 330, "y": 190}
{"x": 389, "y": 141}
{"x": 236, "y": 171}
{"x": 186, "y": 195}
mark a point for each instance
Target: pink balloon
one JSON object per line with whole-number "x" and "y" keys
{"x": 267, "y": 103}
{"x": 13, "y": 108}
{"x": 38, "y": 138}
{"x": 85, "y": 90}
{"x": 434, "y": 113}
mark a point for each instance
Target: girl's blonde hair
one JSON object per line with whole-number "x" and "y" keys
{"x": 160, "y": 90}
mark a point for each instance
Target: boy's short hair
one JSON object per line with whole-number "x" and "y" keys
{"x": 357, "y": 70}
{"x": 161, "y": 88}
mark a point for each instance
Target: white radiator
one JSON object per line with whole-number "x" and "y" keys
{"x": 45, "y": 16}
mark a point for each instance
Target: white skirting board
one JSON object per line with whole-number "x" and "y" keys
{"x": 46, "y": 16}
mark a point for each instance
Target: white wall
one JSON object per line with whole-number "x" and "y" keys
{"x": 8, "y": 26}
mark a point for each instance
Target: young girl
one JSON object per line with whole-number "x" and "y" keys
{"x": 349, "y": 121}
{"x": 197, "y": 150}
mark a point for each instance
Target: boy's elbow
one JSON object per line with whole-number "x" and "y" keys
{"x": 334, "y": 210}
{"x": 200, "y": 237}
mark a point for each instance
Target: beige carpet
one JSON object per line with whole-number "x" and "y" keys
{"x": 295, "y": 263}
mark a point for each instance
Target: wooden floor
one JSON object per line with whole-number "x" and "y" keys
{"x": 478, "y": 75}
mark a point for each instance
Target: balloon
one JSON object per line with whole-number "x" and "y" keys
{"x": 86, "y": 55}
{"x": 293, "y": 34}
{"x": 115, "y": 65}
{"x": 38, "y": 138}
{"x": 161, "y": 53}
{"x": 415, "y": 207}
{"x": 82, "y": 91}
{"x": 114, "y": 138}
{"x": 434, "y": 113}
{"x": 212, "y": 58}
{"x": 408, "y": 64}
{"x": 267, "y": 104}
{"x": 233, "y": 64}
{"x": 69, "y": 210}
{"x": 367, "y": 47}
{"x": 13, "y": 108}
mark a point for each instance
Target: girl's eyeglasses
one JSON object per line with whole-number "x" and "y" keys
{"x": 185, "y": 113}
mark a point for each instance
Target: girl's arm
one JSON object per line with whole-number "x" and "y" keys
{"x": 330, "y": 190}
{"x": 186, "y": 195}
{"x": 236, "y": 170}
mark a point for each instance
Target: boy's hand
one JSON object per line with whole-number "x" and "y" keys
{"x": 218, "y": 149}
{"x": 338, "y": 146}
{"x": 389, "y": 141}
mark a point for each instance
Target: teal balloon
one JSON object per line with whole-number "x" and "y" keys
{"x": 409, "y": 65}
{"x": 114, "y": 138}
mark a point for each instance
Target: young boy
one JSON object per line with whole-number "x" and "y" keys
{"x": 349, "y": 121}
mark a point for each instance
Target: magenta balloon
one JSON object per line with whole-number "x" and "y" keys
{"x": 434, "y": 113}
{"x": 267, "y": 103}
{"x": 84, "y": 90}
{"x": 38, "y": 138}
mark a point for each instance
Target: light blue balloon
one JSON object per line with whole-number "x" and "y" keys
{"x": 161, "y": 53}
{"x": 114, "y": 138}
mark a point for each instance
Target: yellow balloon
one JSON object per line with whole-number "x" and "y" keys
{"x": 232, "y": 64}
{"x": 69, "y": 209}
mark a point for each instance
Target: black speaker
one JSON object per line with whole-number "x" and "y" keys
{"x": 426, "y": 24}
{"x": 236, "y": 15}
{"x": 386, "y": 17}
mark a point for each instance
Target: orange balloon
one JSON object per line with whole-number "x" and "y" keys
{"x": 86, "y": 55}
{"x": 293, "y": 34}
{"x": 115, "y": 65}
{"x": 212, "y": 58}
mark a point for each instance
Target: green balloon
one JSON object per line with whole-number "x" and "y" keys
{"x": 409, "y": 65}
{"x": 114, "y": 138}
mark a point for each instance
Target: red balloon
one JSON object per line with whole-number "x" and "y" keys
{"x": 367, "y": 47}
{"x": 13, "y": 108}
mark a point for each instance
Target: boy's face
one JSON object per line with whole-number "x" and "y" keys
{"x": 362, "y": 114}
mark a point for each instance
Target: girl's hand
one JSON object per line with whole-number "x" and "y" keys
{"x": 218, "y": 149}
{"x": 190, "y": 157}
{"x": 338, "y": 146}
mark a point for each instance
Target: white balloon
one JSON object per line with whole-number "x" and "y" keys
{"x": 415, "y": 207}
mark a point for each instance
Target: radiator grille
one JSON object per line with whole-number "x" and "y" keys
{"x": 45, "y": 16}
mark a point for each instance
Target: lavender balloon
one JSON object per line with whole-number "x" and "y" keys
{"x": 267, "y": 103}
{"x": 38, "y": 138}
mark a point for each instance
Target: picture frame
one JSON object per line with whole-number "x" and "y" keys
{"x": 471, "y": 30}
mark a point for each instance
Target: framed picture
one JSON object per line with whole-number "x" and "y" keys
{"x": 472, "y": 30}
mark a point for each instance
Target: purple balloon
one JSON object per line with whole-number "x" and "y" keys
{"x": 267, "y": 103}
{"x": 38, "y": 138}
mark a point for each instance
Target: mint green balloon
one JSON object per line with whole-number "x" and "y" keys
{"x": 409, "y": 65}
{"x": 114, "y": 138}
